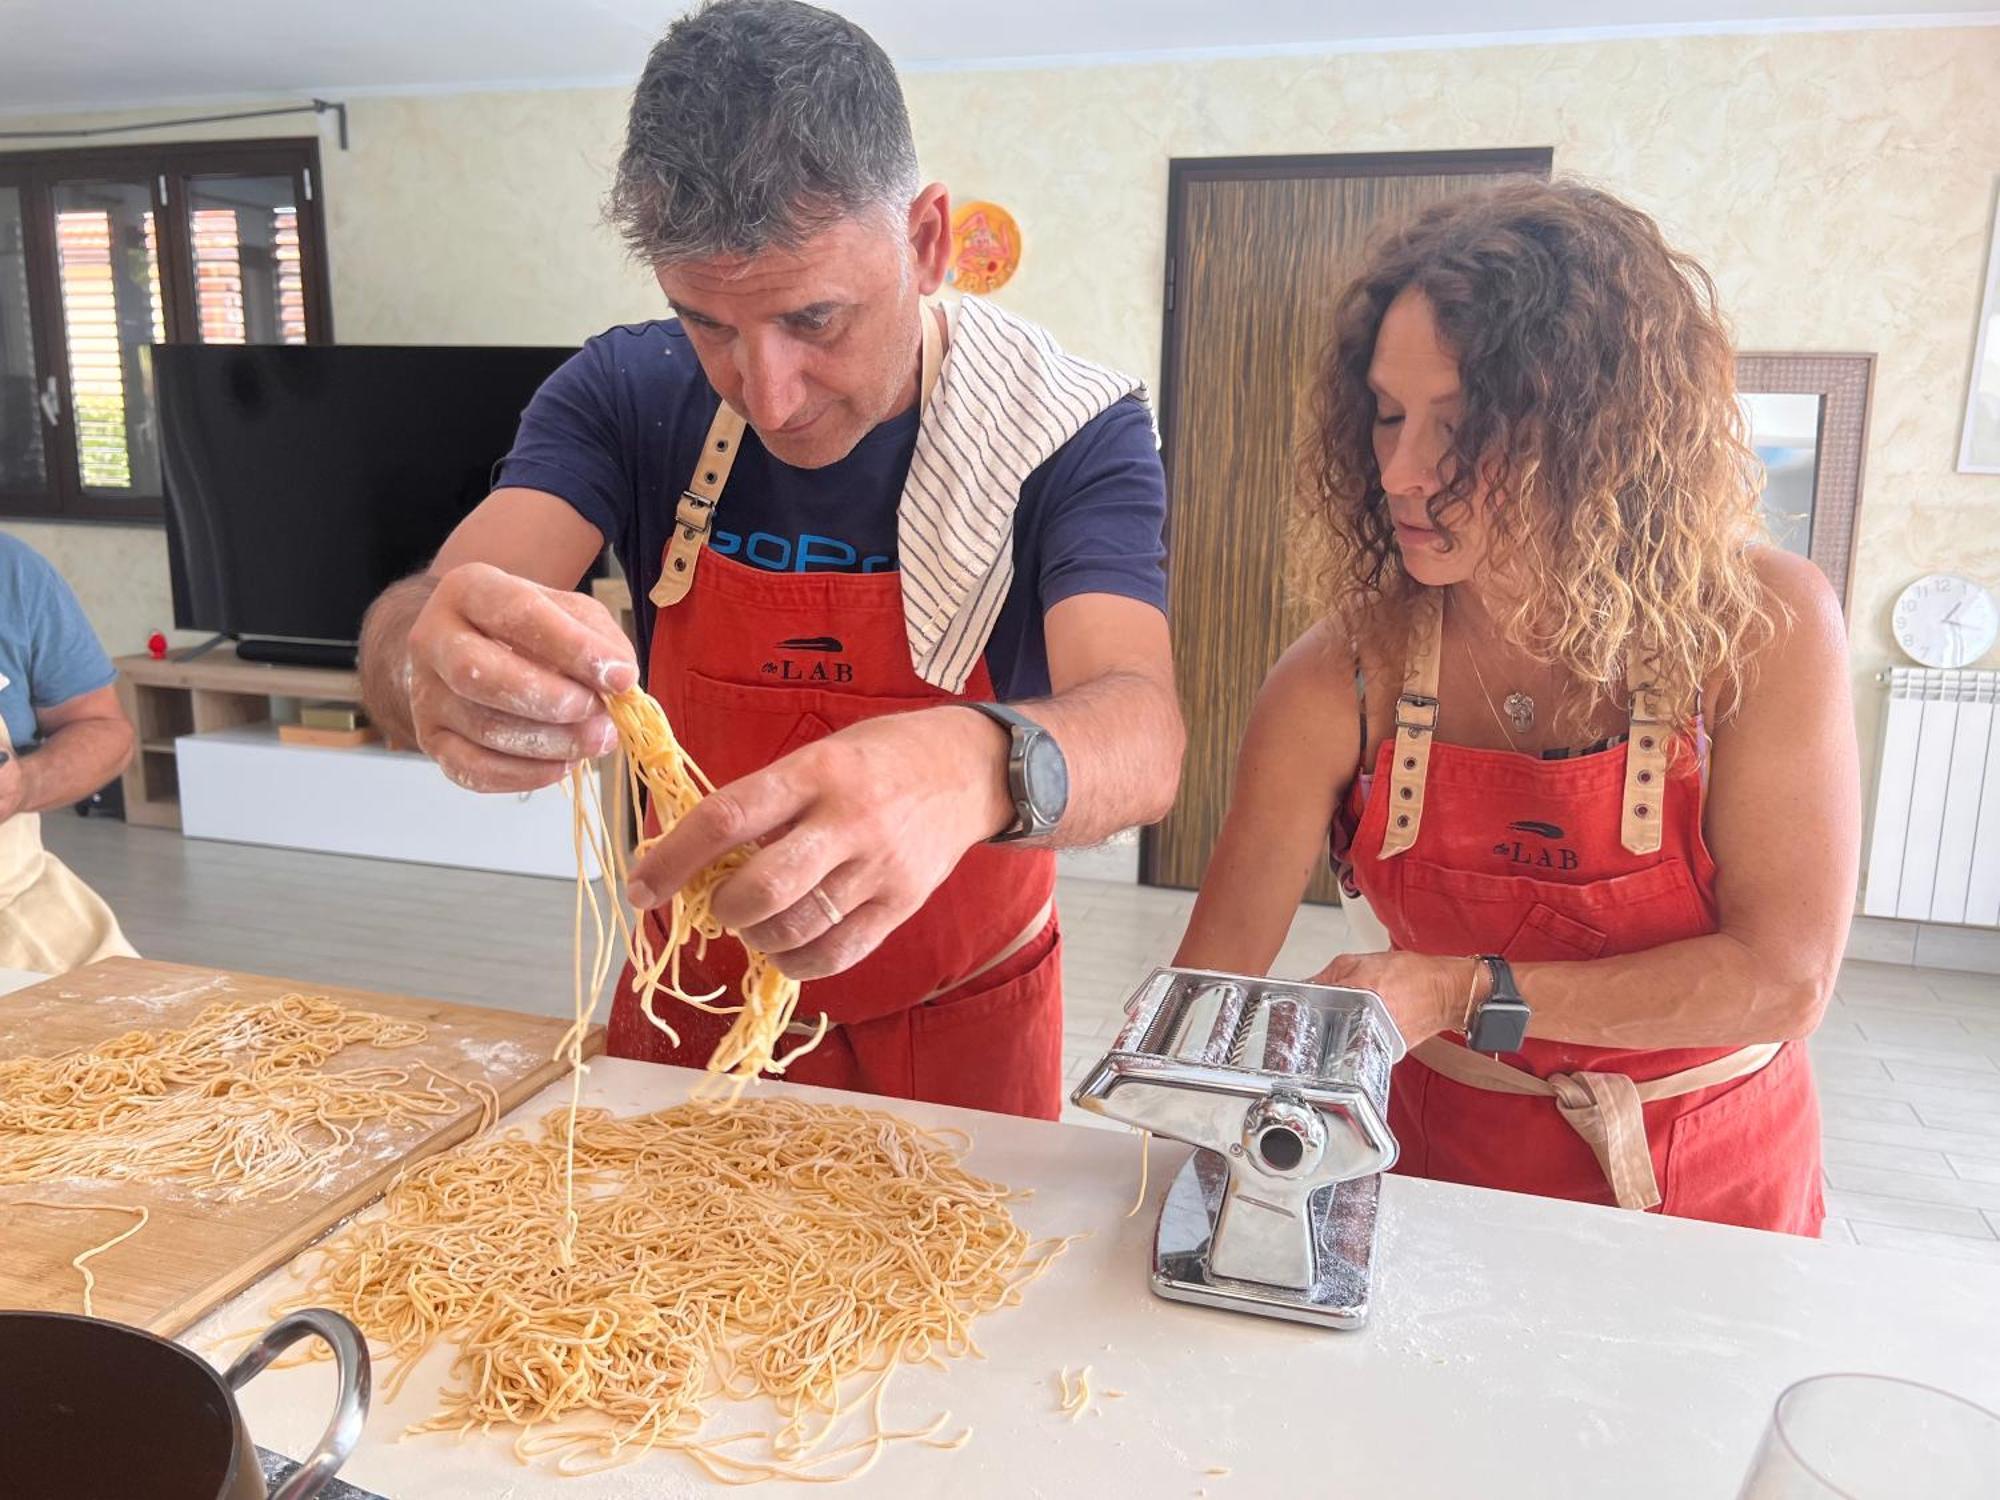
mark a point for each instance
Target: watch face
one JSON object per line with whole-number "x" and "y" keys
{"x": 1046, "y": 775}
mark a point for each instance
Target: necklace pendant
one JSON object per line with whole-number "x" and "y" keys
{"x": 1521, "y": 709}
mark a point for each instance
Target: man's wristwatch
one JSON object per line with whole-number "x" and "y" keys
{"x": 1037, "y": 774}
{"x": 1499, "y": 1023}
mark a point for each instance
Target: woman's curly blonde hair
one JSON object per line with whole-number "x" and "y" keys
{"x": 1599, "y": 398}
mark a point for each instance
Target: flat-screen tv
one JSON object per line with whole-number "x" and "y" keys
{"x": 301, "y": 482}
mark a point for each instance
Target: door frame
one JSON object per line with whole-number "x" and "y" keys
{"x": 1185, "y": 171}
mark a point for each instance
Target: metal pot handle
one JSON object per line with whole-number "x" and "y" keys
{"x": 350, "y": 1353}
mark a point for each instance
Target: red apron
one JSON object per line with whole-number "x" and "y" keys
{"x": 750, "y": 666}
{"x": 1524, "y": 858}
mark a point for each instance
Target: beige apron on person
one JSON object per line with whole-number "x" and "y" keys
{"x": 50, "y": 921}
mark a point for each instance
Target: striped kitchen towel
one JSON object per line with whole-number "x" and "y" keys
{"x": 1005, "y": 400}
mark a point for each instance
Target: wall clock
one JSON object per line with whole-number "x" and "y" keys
{"x": 1943, "y": 620}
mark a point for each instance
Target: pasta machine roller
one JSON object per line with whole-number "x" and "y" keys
{"x": 1283, "y": 1091}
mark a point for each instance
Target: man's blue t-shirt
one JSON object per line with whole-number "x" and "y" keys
{"x": 617, "y": 429}
{"x": 48, "y": 652}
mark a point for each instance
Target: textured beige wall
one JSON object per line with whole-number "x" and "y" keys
{"x": 1840, "y": 187}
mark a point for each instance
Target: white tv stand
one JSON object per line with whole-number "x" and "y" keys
{"x": 210, "y": 764}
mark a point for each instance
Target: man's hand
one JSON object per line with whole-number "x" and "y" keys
{"x": 872, "y": 819}
{"x": 503, "y": 678}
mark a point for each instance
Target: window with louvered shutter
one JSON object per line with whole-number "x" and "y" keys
{"x": 104, "y": 253}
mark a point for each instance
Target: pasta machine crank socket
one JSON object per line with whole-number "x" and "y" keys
{"x": 1283, "y": 1091}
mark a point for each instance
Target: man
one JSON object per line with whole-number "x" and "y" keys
{"x": 62, "y": 736}
{"x": 823, "y": 633}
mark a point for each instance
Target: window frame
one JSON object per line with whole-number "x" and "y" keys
{"x": 168, "y": 170}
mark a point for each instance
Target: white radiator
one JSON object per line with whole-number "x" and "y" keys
{"x": 1935, "y": 854}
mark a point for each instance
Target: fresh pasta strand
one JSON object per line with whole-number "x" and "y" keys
{"x": 1076, "y": 1398}
{"x": 721, "y": 1250}
{"x": 80, "y": 1263}
{"x": 1145, "y": 1167}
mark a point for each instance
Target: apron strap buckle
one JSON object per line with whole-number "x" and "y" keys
{"x": 696, "y": 511}
{"x": 1416, "y": 714}
{"x": 694, "y": 515}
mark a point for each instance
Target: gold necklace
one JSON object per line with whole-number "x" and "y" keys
{"x": 1520, "y": 707}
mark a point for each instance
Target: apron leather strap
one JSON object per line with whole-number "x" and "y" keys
{"x": 1641, "y": 824}
{"x": 1645, "y": 763}
{"x": 1416, "y": 725}
{"x": 1603, "y": 1108}
{"x": 695, "y": 515}
{"x": 1021, "y": 940}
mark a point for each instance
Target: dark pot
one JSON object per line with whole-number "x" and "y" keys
{"x": 91, "y": 1410}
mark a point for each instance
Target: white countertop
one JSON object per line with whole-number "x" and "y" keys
{"x": 1519, "y": 1347}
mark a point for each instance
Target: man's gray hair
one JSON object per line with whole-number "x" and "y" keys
{"x": 757, "y": 124}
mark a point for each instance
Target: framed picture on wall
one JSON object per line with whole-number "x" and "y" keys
{"x": 1979, "y": 448}
{"x": 1808, "y": 421}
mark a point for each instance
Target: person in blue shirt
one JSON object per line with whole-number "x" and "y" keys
{"x": 65, "y": 736}
{"x": 898, "y": 577}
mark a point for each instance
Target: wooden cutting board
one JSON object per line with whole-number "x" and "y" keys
{"x": 198, "y": 1251}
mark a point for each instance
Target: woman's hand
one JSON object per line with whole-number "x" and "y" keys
{"x": 1425, "y": 995}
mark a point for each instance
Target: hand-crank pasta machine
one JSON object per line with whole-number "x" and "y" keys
{"x": 1283, "y": 1091}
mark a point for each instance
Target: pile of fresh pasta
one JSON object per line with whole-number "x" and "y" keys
{"x": 722, "y": 1250}
{"x": 235, "y": 1104}
{"x": 608, "y": 1286}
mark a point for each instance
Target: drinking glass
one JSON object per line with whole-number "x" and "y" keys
{"x": 1873, "y": 1437}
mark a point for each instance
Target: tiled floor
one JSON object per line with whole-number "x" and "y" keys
{"x": 1908, "y": 1058}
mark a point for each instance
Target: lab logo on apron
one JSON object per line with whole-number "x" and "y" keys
{"x": 1539, "y": 850}
{"x": 788, "y": 668}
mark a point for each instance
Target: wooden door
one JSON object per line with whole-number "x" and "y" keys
{"x": 1257, "y": 250}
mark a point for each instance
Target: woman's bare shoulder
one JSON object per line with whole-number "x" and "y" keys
{"x": 1806, "y": 650}
{"x": 1317, "y": 668}
{"x": 1805, "y": 612}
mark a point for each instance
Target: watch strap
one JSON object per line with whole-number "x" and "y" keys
{"x": 1008, "y": 718}
{"x": 1500, "y": 1021}
{"x": 1019, "y": 728}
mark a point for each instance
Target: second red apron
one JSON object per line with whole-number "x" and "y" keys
{"x": 1527, "y": 858}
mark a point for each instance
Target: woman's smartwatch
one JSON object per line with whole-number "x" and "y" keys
{"x": 1499, "y": 1023}
{"x": 1037, "y": 774}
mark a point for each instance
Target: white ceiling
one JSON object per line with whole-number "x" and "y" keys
{"x": 82, "y": 54}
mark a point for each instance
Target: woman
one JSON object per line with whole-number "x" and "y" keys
{"x": 1603, "y": 777}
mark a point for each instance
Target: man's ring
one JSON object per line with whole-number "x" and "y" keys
{"x": 826, "y": 905}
